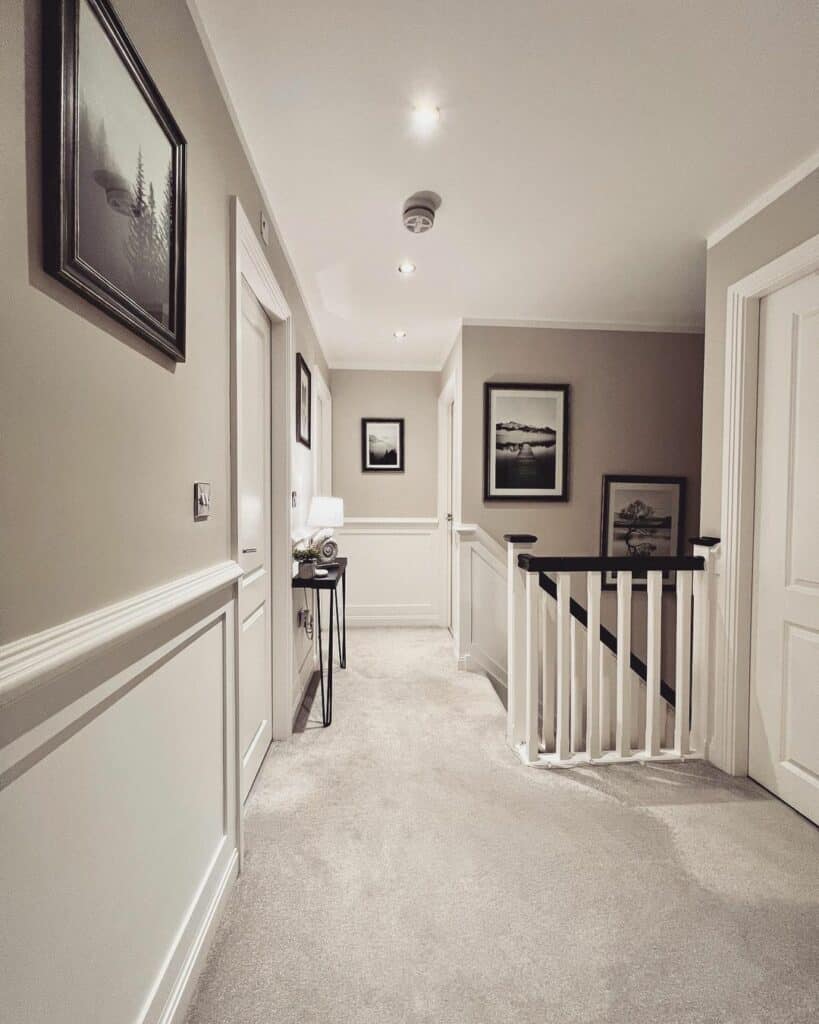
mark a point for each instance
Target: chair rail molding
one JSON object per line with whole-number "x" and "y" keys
{"x": 33, "y": 660}
{"x": 732, "y": 627}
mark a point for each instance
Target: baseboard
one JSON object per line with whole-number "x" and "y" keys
{"x": 392, "y": 615}
{"x": 182, "y": 992}
{"x": 372, "y": 621}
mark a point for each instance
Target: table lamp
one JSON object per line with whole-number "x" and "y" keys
{"x": 326, "y": 514}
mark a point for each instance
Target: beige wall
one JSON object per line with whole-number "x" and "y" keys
{"x": 634, "y": 407}
{"x": 102, "y": 436}
{"x": 411, "y": 395}
{"x": 787, "y": 222}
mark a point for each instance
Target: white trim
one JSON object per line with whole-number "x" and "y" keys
{"x": 770, "y": 195}
{"x": 210, "y": 54}
{"x": 403, "y": 367}
{"x": 390, "y": 521}
{"x": 446, "y": 398}
{"x": 27, "y": 663}
{"x": 322, "y": 450}
{"x": 662, "y": 327}
{"x": 729, "y": 748}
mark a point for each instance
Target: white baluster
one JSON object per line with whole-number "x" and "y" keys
{"x": 701, "y": 654}
{"x": 608, "y": 685}
{"x": 562, "y": 739}
{"x": 654, "y": 597}
{"x": 578, "y": 687}
{"x": 593, "y": 658}
{"x": 683, "y": 663}
{"x": 623, "y": 733}
{"x": 547, "y": 671}
{"x": 530, "y": 743}
{"x": 515, "y": 647}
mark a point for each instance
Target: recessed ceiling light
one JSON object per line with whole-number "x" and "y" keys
{"x": 399, "y": 335}
{"x": 406, "y": 267}
{"x": 425, "y": 116}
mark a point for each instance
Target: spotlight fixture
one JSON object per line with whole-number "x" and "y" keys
{"x": 425, "y": 116}
{"x": 406, "y": 267}
{"x": 399, "y": 335}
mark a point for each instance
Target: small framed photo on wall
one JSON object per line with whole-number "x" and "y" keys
{"x": 382, "y": 445}
{"x": 526, "y": 442}
{"x": 642, "y": 517}
{"x": 304, "y": 401}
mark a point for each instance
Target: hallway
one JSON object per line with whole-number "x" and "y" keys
{"x": 403, "y": 866}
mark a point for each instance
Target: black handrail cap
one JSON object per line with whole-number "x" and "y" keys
{"x": 704, "y": 542}
{"x": 519, "y": 538}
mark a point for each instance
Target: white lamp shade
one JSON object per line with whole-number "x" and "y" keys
{"x": 326, "y": 512}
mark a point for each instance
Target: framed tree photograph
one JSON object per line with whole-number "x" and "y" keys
{"x": 382, "y": 445}
{"x": 642, "y": 517}
{"x": 304, "y": 401}
{"x": 526, "y": 442}
{"x": 113, "y": 175}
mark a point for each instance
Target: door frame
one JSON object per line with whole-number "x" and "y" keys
{"x": 322, "y": 440}
{"x": 728, "y": 749}
{"x": 248, "y": 261}
{"x": 448, "y": 396}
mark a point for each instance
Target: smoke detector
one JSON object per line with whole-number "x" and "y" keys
{"x": 419, "y": 211}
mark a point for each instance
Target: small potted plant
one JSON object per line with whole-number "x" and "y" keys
{"x": 307, "y": 556}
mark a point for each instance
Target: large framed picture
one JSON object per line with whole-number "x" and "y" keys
{"x": 642, "y": 517}
{"x": 382, "y": 445}
{"x": 304, "y": 401}
{"x": 526, "y": 442}
{"x": 113, "y": 175}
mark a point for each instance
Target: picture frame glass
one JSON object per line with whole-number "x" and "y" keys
{"x": 304, "y": 402}
{"x": 125, "y": 189}
{"x": 526, "y": 442}
{"x": 642, "y": 518}
{"x": 383, "y": 445}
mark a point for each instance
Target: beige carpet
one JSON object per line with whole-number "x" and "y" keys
{"x": 403, "y": 867}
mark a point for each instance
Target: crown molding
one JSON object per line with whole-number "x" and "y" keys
{"x": 799, "y": 173}
{"x": 590, "y": 325}
{"x": 355, "y": 364}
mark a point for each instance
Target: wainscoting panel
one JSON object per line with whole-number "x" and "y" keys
{"x": 481, "y": 630}
{"x": 118, "y": 823}
{"x": 396, "y": 571}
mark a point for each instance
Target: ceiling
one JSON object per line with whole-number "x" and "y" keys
{"x": 585, "y": 151}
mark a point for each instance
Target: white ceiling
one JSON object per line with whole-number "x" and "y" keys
{"x": 586, "y": 150}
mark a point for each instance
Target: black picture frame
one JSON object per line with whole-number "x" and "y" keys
{"x": 62, "y": 62}
{"x": 632, "y": 485}
{"x": 492, "y": 491}
{"x": 304, "y": 402}
{"x": 367, "y": 463}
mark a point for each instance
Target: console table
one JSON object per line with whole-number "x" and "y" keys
{"x": 336, "y": 573}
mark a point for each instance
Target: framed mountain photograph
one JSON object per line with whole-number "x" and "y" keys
{"x": 642, "y": 517}
{"x": 382, "y": 445}
{"x": 304, "y": 402}
{"x": 113, "y": 175}
{"x": 526, "y": 442}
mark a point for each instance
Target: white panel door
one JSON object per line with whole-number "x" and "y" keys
{"x": 784, "y": 712}
{"x": 255, "y": 681}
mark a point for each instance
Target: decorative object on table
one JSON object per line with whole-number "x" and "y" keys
{"x": 306, "y": 555}
{"x": 304, "y": 401}
{"x": 382, "y": 445}
{"x": 113, "y": 175}
{"x": 326, "y": 514}
{"x": 526, "y": 442}
{"x": 642, "y": 517}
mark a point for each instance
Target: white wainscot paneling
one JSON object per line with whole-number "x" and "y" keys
{"x": 396, "y": 572}
{"x": 118, "y": 824}
{"x": 480, "y": 631}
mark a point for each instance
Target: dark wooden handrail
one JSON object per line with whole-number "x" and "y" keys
{"x": 607, "y": 638}
{"x": 596, "y": 563}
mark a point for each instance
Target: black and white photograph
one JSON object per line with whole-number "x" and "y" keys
{"x": 642, "y": 518}
{"x": 382, "y": 445}
{"x": 526, "y": 442}
{"x": 120, "y": 193}
{"x": 304, "y": 401}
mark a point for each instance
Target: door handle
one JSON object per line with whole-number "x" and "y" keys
{"x": 248, "y": 551}
{"x": 449, "y": 517}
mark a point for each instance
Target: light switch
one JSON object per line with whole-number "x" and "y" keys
{"x": 201, "y": 500}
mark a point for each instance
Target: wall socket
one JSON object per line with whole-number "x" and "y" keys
{"x": 264, "y": 227}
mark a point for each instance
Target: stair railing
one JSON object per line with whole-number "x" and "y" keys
{"x": 546, "y": 723}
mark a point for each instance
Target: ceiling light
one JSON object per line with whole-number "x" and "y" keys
{"x": 406, "y": 267}
{"x": 425, "y": 117}
{"x": 399, "y": 335}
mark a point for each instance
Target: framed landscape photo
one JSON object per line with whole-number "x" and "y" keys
{"x": 304, "y": 401}
{"x": 642, "y": 517}
{"x": 526, "y": 442}
{"x": 113, "y": 175}
{"x": 382, "y": 445}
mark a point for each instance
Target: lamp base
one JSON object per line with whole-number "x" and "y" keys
{"x": 328, "y": 551}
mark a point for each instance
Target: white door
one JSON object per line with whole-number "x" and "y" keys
{"x": 450, "y": 490}
{"x": 253, "y": 413}
{"x": 784, "y": 712}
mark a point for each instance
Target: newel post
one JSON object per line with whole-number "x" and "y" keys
{"x": 702, "y": 667}
{"x": 516, "y": 544}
